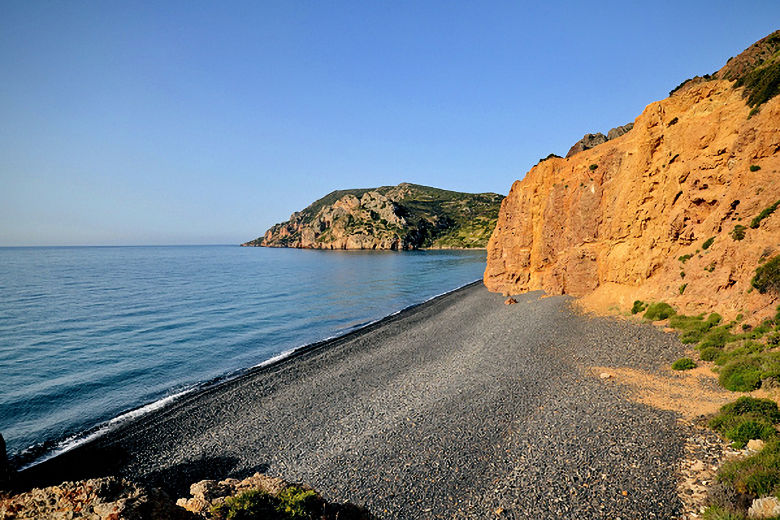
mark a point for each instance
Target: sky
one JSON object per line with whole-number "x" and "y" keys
{"x": 190, "y": 122}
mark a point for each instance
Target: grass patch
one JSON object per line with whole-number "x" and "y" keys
{"x": 738, "y": 233}
{"x": 658, "y": 311}
{"x": 684, "y": 364}
{"x": 767, "y": 277}
{"x": 758, "y": 475}
{"x": 707, "y": 243}
{"x": 764, "y": 214}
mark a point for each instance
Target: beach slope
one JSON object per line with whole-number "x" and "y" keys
{"x": 460, "y": 407}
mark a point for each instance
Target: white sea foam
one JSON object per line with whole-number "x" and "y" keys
{"x": 77, "y": 440}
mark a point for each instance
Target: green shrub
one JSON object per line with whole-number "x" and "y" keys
{"x": 683, "y": 364}
{"x": 658, "y": 311}
{"x": 638, "y": 307}
{"x": 709, "y": 353}
{"x": 757, "y": 475}
{"x": 682, "y": 288}
{"x": 297, "y": 503}
{"x": 745, "y": 419}
{"x": 249, "y": 505}
{"x": 741, "y": 375}
{"x": 593, "y": 167}
{"x": 685, "y": 258}
{"x": 764, "y": 214}
{"x": 292, "y": 503}
{"x": 707, "y": 243}
{"x": 717, "y": 337}
{"x": 738, "y": 233}
{"x": 754, "y": 167}
{"x": 750, "y": 429}
{"x": 767, "y": 276}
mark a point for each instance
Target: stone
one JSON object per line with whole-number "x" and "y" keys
{"x": 510, "y": 301}
{"x": 764, "y": 508}
{"x": 605, "y": 375}
{"x": 586, "y": 143}
{"x": 755, "y": 445}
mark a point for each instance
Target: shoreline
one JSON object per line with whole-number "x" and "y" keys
{"x": 459, "y": 406}
{"x": 72, "y": 441}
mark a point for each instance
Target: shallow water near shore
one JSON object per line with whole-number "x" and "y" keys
{"x": 89, "y": 333}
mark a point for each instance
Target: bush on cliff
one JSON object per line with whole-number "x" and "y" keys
{"x": 766, "y": 212}
{"x": 658, "y": 311}
{"x": 767, "y": 276}
{"x": 638, "y": 307}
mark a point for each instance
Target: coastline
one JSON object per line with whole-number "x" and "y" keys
{"x": 73, "y": 441}
{"x": 457, "y": 406}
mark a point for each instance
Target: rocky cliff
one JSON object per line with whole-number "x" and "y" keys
{"x": 407, "y": 216}
{"x": 670, "y": 210}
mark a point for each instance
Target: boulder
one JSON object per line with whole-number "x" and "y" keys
{"x": 768, "y": 507}
{"x": 755, "y": 445}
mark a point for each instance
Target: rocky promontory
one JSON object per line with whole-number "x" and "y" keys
{"x": 407, "y": 216}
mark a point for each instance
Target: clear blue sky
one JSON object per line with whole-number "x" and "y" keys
{"x": 206, "y": 122}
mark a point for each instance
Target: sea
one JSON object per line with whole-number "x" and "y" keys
{"x": 94, "y": 336}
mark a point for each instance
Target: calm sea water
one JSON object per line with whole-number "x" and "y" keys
{"x": 89, "y": 333}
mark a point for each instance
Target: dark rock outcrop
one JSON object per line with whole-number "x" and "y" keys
{"x": 619, "y": 130}
{"x": 586, "y": 143}
{"x": 5, "y": 468}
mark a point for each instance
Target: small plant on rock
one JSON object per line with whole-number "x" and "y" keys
{"x": 754, "y": 167}
{"x": 767, "y": 276}
{"x": 766, "y": 212}
{"x": 738, "y": 233}
{"x": 707, "y": 243}
{"x": 593, "y": 167}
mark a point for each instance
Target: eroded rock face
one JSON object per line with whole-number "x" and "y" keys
{"x": 680, "y": 176}
{"x": 108, "y": 498}
{"x": 619, "y": 130}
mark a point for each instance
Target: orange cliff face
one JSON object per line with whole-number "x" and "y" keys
{"x": 613, "y": 221}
